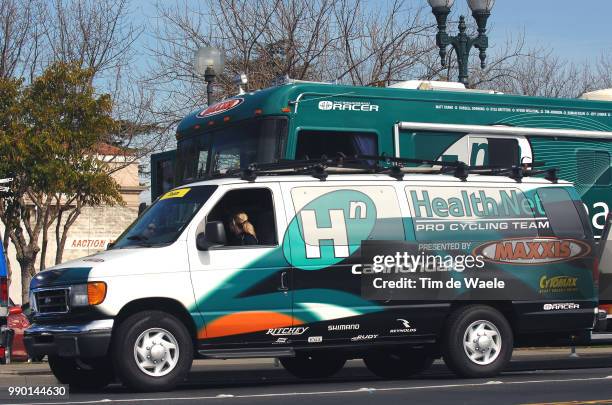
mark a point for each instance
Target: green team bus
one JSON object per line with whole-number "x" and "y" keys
{"x": 298, "y": 120}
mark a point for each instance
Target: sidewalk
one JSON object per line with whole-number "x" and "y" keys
{"x": 16, "y": 374}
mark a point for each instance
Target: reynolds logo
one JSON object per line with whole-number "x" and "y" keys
{"x": 475, "y": 204}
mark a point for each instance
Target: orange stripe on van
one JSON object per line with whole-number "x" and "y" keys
{"x": 246, "y": 322}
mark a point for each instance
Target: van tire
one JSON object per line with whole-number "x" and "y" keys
{"x": 483, "y": 323}
{"x": 318, "y": 365}
{"x": 82, "y": 374}
{"x": 161, "y": 330}
{"x": 398, "y": 364}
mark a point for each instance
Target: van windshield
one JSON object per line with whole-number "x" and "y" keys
{"x": 163, "y": 222}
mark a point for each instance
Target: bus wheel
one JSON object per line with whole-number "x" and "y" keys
{"x": 401, "y": 363}
{"x": 82, "y": 374}
{"x": 309, "y": 365}
{"x": 152, "y": 351}
{"x": 478, "y": 342}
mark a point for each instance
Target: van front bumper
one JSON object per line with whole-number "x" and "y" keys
{"x": 91, "y": 339}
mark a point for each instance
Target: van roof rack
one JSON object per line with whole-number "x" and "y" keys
{"x": 518, "y": 172}
{"x": 393, "y": 166}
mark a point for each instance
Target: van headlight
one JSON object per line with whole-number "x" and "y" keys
{"x": 82, "y": 295}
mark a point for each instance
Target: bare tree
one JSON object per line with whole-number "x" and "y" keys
{"x": 20, "y": 37}
{"x": 99, "y": 35}
{"x": 385, "y": 45}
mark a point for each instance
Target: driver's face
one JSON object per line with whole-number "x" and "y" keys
{"x": 235, "y": 228}
{"x": 150, "y": 231}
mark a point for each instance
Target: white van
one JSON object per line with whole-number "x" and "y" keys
{"x": 318, "y": 266}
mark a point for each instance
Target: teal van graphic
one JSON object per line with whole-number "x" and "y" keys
{"x": 329, "y": 229}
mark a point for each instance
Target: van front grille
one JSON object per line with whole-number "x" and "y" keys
{"x": 54, "y": 301}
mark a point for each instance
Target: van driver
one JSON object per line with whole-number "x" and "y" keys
{"x": 243, "y": 230}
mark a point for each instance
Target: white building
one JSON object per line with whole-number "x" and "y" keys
{"x": 96, "y": 226}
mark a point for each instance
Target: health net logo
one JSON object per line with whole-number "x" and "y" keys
{"x": 326, "y": 105}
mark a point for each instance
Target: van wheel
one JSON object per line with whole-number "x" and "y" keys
{"x": 82, "y": 374}
{"x": 393, "y": 364}
{"x": 308, "y": 365}
{"x": 152, "y": 351}
{"x": 478, "y": 342}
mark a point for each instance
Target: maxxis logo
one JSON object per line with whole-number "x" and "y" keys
{"x": 536, "y": 251}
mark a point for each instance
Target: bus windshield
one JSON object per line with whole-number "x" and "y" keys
{"x": 259, "y": 140}
{"x": 163, "y": 222}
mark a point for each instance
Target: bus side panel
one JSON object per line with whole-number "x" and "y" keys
{"x": 587, "y": 164}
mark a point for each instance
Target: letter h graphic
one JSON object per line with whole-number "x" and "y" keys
{"x": 313, "y": 234}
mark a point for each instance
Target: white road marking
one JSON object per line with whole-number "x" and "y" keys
{"x": 294, "y": 394}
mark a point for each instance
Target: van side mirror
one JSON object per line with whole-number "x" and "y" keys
{"x": 214, "y": 235}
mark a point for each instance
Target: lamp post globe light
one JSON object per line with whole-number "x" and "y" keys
{"x": 462, "y": 42}
{"x": 208, "y": 61}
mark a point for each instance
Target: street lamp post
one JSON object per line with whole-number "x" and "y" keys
{"x": 207, "y": 61}
{"x": 462, "y": 43}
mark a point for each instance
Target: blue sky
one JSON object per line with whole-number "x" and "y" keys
{"x": 578, "y": 30}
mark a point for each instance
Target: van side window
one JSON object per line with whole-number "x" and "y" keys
{"x": 593, "y": 167}
{"x": 314, "y": 144}
{"x": 248, "y": 217}
{"x": 562, "y": 213}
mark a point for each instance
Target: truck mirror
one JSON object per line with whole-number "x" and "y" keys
{"x": 214, "y": 235}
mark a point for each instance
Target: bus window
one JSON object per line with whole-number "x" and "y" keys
{"x": 503, "y": 152}
{"x": 470, "y": 149}
{"x": 314, "y": 144}
{"x": 259, "y": 140}
{"x": 203, "y": 149}
{"x": 432, "y": 145}
{"x": 185, "y": 163}
{"x": 593, "y": 167}
{"x": 165, "y": 175}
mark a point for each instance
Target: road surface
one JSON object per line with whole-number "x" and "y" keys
{"x": 539, "y": 376}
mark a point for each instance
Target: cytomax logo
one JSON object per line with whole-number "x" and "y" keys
{"x": 329, "y": 229}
